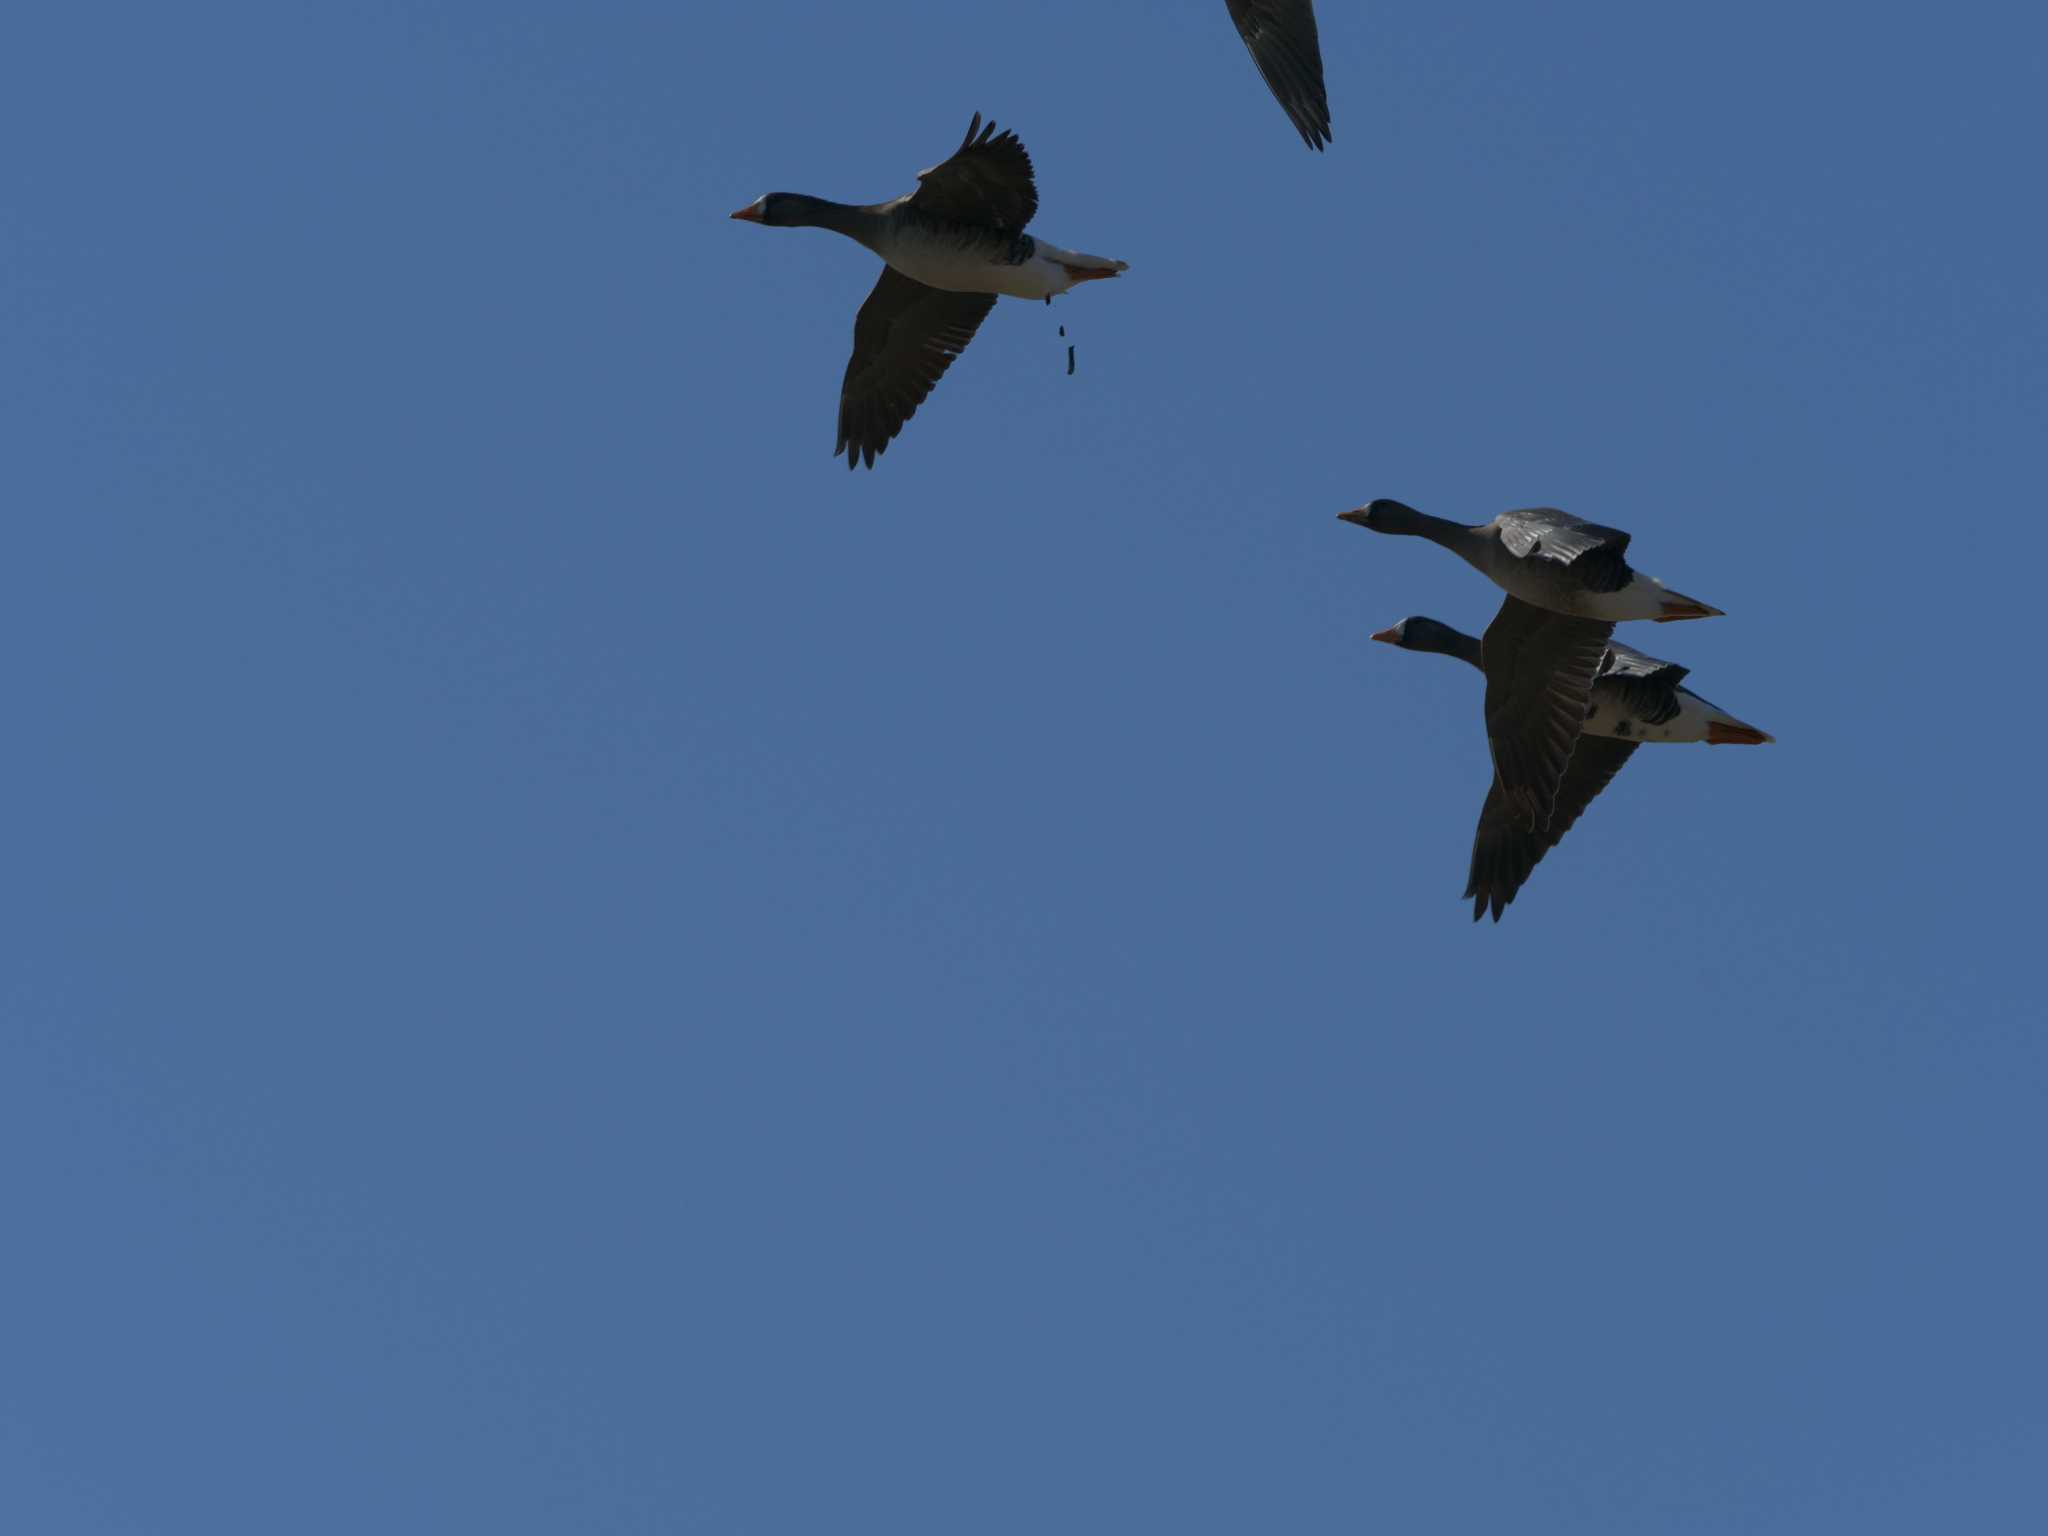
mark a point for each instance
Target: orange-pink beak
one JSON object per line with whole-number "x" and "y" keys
{"x": 1390, "y": 636}
{"x": 751, "y": 213}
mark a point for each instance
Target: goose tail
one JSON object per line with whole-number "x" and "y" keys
{"x": 1082, "y": 267}
{"x": 1676, "y": 605}
{"x": 1724, "y": 730}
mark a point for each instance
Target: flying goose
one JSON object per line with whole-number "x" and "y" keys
{"x": 1281, "y": 35}
{"x": 1545, "y": 557}
{"x": 951, "y": 247}
{"x": 1635, "y": 698}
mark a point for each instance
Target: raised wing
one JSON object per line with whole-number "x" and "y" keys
{"x": 1505, "y": 852}
{"x": 986, "y": 182}
{"x": 1281, "y": 35}
{"x": 904, "y": 339}
{"x": 1596, "y": 553}
{"x": 1539, "y": 674}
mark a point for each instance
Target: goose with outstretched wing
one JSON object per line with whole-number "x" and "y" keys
{"x": 951, "y": 247}
{"x": 1632, "y": 699}
{"x": 1545, "y": 557}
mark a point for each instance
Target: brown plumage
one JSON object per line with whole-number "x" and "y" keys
{"x": 1505, "y": 850}
{"x": 1281, "y": 35}
{"x": 1539, "y": 672}
{"x": 904, "y": 339}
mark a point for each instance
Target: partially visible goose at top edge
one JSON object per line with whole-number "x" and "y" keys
{"x": 1634, "y": 699}
{"x": 1281, "y": 35}
{"x": 1545, "y": 557}
{"x": 951, "y": 246}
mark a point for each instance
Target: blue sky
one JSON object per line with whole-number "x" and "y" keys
{"x": 575, "y": 966}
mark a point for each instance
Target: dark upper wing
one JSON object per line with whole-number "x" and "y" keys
{"x": 1282, "y": 37}
{"x": 1645, "y": 686}
{"x": 1539, "y": 672}
{"x": 987, "y": 181}
{"x": 904, "y": 339}
{"x": 1505, "y": 852}
{"x": 1596, "y": 553}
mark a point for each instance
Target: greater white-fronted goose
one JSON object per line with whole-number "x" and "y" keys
{"x": 951, "y": 246}
{"x": 1281, "y": 35}
{"x": 1634, "y": 699}
{"x": 1545, "y": 557}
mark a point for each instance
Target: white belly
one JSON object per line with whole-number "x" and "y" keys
{"x": 1609, "y": 718}
{"x": 964, "y": 269}
{"x": 1546, "y": 584}
{"x": 1642, "y": 598}
{"x": 954, "y": 270}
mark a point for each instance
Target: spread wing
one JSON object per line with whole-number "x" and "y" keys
{"x": 1645, "y": 686}
{"x": 1596, "y": 553}
{"x": 904, "y": 339}
{"x": 987, "y": 181}
{"x": 1539, "y": 673}
{"x": 1281, "y": 35}
{"x": 1505, "y": 852}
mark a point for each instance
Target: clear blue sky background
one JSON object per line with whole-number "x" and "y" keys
{"x": 573, "y": 966}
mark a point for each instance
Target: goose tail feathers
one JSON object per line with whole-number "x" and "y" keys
{"x": 1676, "y": 605}
{"x": 1729, "y": 732}
{"x": 1081, "y": 266}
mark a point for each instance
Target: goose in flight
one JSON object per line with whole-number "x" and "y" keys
{"x": 1545, "y": 557}
{"x": 1634, "y": 699}
{"x": 950, "y": 248}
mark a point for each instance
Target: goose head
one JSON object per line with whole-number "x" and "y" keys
{"x": 1385, "y": 515}
{"x": 762, "y": 209}
{"x": 799, "y": 211}
{"x": 1418, "y": 633}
